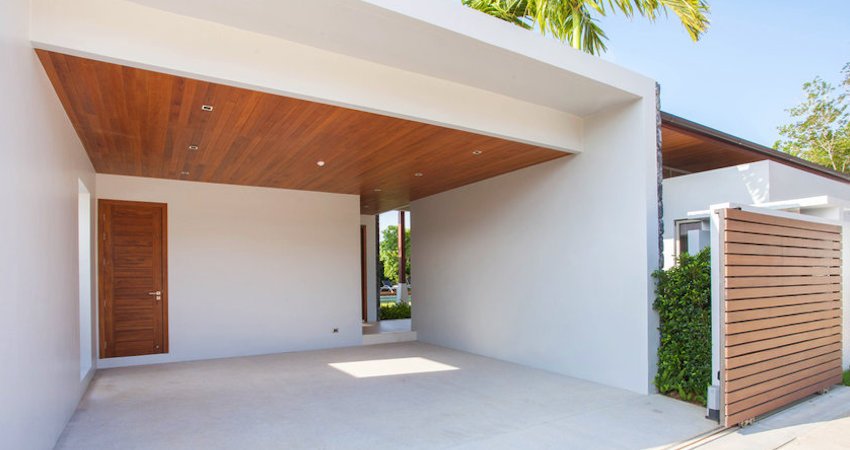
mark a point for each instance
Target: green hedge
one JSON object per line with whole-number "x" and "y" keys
{"x": 847, "y": 378}
{"x": 395, "y": 311}
{"x": 683, "y": 302}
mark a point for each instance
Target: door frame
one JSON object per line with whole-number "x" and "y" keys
{"x": 101, "y": 298}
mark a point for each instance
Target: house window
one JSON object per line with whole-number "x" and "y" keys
{"x": 683, "y": 227}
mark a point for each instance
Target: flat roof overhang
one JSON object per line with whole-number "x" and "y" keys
{"x": 388, "y": 89}
{"x": 689, "y": 147}
{"x": 139, "y": 122}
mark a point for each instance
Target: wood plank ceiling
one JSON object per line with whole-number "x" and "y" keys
{"x": 144, "y": 123}
{"x": 684, "y": 152}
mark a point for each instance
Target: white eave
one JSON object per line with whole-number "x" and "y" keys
{"x": 439, "y": 38}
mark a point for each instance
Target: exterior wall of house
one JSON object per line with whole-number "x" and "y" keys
{"x": 756, "y": 184}
{"x": 550, "y": 266}
{"x": 370, "y": 222}
{"x": 789, "y": 183}
{"x": 747, "y": 184}
{"x": 252, "y": 270}
{"x": 41, "y": 165}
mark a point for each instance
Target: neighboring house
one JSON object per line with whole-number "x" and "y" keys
{"x": 705, "y": 169}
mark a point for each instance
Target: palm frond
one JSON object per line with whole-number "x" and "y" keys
{"x": 574, "y": 21}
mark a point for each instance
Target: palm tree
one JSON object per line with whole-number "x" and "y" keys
{"x": 573, "y": 21}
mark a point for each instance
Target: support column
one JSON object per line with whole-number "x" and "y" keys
{"x": 401, "y": 293}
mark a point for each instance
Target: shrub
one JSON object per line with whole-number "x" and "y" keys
{"x": 683, "y": 302}
{"x": 394, "y": 311}
{"x": 847, "y": 378}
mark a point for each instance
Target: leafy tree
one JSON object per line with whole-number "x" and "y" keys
{"x": 820, "y": 131}
{"x": 389, "y": 252}
{"x": 575, "y": 21}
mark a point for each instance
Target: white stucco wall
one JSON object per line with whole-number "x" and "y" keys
{"x": 252, "y": 270}
{"x": 370, "y": 222}
{"x": 746, "y": 184}
{"x": 757, "y": 184}
{"x": 41, "y": 163}
{"x": 549, "y": 266}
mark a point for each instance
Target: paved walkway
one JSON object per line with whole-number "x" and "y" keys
{"x": 820, "y": 422}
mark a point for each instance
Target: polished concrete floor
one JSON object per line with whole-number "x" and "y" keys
{"x": 407, "y": 395}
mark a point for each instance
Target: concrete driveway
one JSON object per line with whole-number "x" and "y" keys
{"x": 406, "y": 395}
{"x": 819, "y": 422}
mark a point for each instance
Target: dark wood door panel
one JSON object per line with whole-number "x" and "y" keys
{"x": 133, "y": 269}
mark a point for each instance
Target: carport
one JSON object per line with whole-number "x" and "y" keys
{"x": 204, "y": 170}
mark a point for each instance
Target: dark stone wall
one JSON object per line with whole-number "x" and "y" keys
{"x": 659, "y": 175}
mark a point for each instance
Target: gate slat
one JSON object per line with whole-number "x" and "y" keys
{"x": 779, "y": 311}
{"x": 773, "y": 230}
{"x": 756, "y": 303}
{"x": 761, "y": 324}
{"x": 737, "y": 214}
{"x": 761, "y": 260}
{"x": 741, "y": 282}
{"x": 778, "y": 291}
{"x": 753, "y": 238}
{"x": 777, "y": 250}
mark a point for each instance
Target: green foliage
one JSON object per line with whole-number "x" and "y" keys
{"x": 389, "y": 253}
{"x": 683, "y": 302}
{"x": 394, "y": 311}
{"x": 575, "y": 21}
{"x": 820, "y": 128}
{"x": 847, "y": 378}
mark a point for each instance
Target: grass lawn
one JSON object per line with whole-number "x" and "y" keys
{"x": 390, "y": 300}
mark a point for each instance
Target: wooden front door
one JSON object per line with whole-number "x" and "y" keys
{"x": 133, "y": 283}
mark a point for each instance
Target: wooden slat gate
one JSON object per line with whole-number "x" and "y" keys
{"x": 780, "y": 311}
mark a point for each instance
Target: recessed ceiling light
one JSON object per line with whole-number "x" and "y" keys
{"x": 193, "y": 147}
{"x": 320, "y": 163}
{"x": 207, "y": 107}
{"x": 477, "y": 152}
{"x": 184, "y": 173}
{"x": 378, "y": 189}
{"x": 417, "y": 174}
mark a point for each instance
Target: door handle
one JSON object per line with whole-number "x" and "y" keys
{"x": 158, "y": 295}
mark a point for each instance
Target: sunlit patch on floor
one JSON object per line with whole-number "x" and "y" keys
{"x": 387, "y": 367}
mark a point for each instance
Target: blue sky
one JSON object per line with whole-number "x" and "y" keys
{"x": 747, "y": 70}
